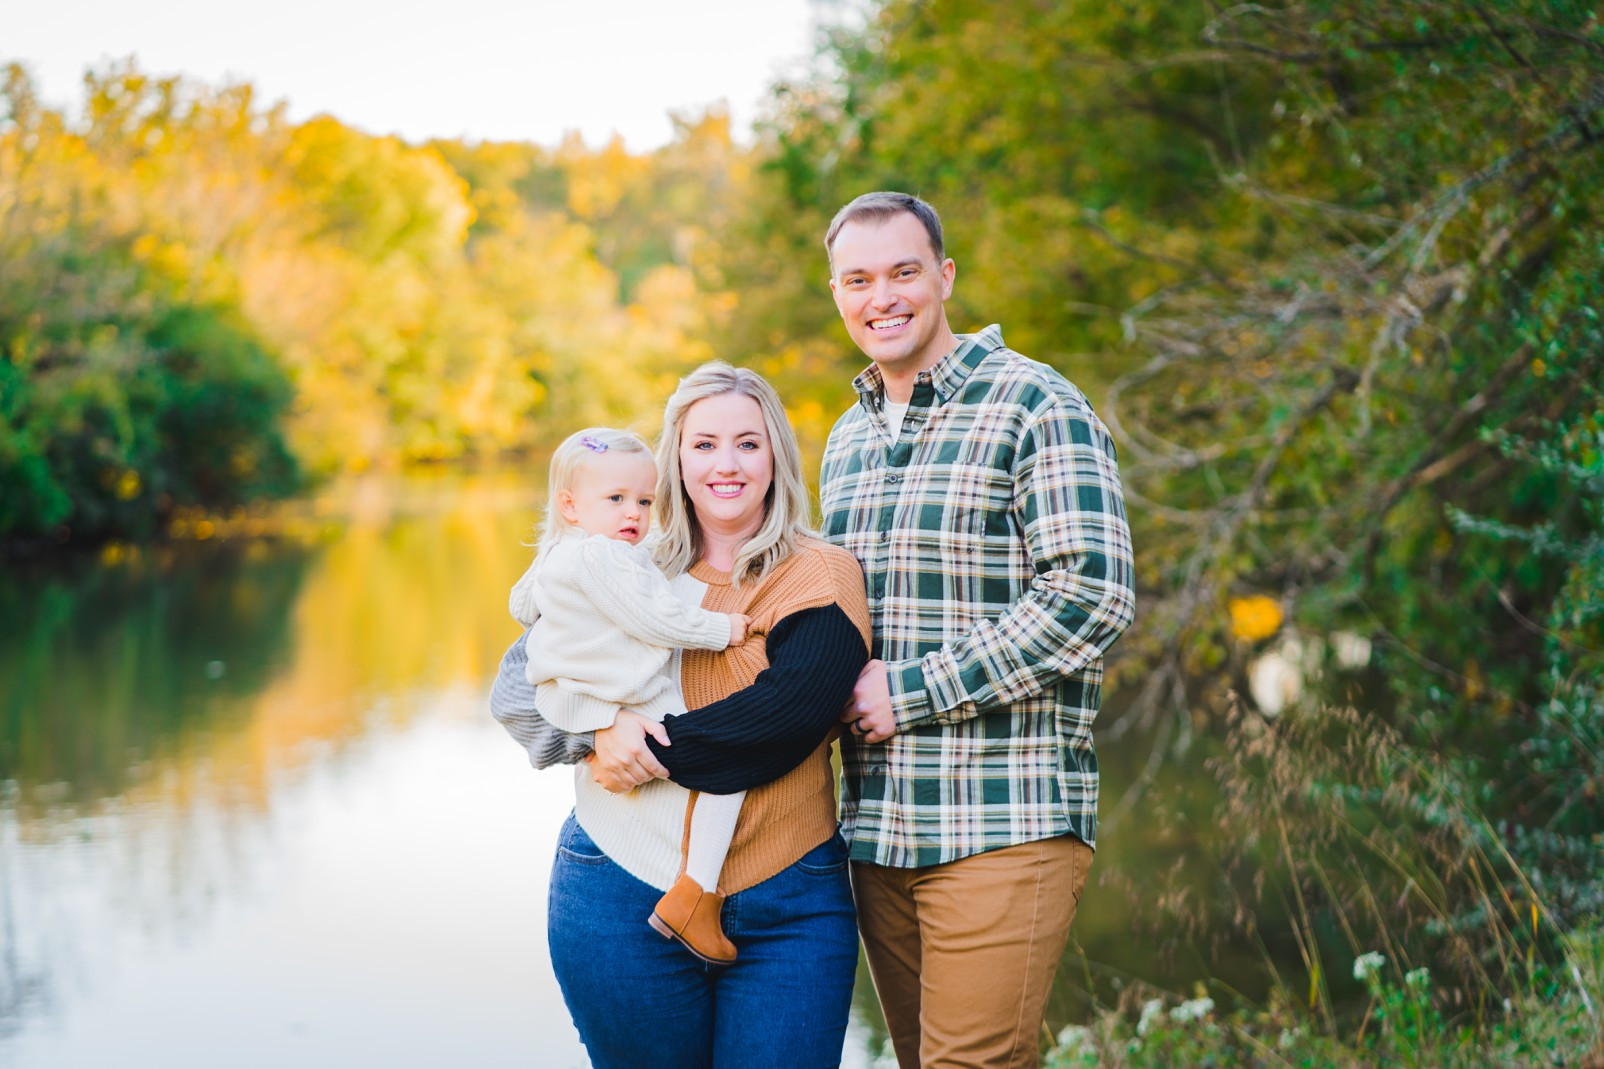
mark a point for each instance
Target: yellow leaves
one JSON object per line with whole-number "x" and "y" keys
{"x": 810, "y": 419}
{"x": 171, "y": 259}
{"x": 122, "y": 483}
{"x": 1254, "y": 617}
{"x": 127, "y": 485}
{"x": 378, "y": 195}
{"x": 498, "y": 174}
{"x": 597, "y": 181}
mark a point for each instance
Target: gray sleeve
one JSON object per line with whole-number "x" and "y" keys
{"x": 512, "y": 703}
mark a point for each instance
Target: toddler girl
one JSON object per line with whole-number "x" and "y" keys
{"x": 604, "y": 624}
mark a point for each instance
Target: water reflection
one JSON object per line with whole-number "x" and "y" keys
{"x": 253, "y": 808}
{"x": 104, "y": 668}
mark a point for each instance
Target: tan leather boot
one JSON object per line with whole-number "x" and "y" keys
{"x": 691, "y": 915}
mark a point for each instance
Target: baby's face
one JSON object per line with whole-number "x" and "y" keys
{"x": 612, "y": 496}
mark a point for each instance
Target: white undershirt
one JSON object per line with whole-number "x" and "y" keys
{"x": 895, "y": 414}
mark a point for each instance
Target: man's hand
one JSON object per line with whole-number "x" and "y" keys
{"x": 622, "y": 760}
{"x": 868, "y": 714}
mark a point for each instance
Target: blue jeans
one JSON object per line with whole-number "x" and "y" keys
{"x": 641, "y": 1000}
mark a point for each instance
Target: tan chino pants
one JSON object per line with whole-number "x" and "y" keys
{"x": 963, "y": 954}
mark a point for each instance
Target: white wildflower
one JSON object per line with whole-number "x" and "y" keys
{"x": 1366, "y": 965}
{"x": 1151, "y": 1010}
{"x": 1419, "y": 978}
{"x": 1287, "y": 1040}
{"x": 1076, "y": 1040}
{"x": 1192, "y": 1009}
{"x": 1350, "y": 650}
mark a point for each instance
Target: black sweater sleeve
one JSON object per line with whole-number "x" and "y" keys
{"x": 764, "y": 730}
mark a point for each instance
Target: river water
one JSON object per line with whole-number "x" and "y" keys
{"x": 253, "y": 810}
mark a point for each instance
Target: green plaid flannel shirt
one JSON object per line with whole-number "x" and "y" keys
{"x": 993, "y": 538}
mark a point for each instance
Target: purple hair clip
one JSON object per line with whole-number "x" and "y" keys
{"x": 595, "y": 445}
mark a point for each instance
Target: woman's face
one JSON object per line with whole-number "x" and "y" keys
{"x": 726, "y": 463}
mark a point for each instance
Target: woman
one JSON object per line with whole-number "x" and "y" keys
{"x": 733, "y": 509}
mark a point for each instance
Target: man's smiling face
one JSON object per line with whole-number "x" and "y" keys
{"x": 890, "y": 289}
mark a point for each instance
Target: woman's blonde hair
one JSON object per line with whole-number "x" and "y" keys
{"x": 785, "y": 507}
{"x": 570, "y": 457}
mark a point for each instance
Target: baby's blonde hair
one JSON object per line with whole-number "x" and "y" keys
{"x": 570, "y": 457}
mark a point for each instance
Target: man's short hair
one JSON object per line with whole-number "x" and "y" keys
{"x": 877, "y": 208}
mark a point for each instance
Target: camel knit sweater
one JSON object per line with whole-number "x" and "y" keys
{"x": 752, "y": 721}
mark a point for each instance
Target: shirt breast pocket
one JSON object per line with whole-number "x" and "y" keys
{"x": 975, "y": 502}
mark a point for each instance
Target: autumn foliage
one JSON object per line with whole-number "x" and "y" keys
{"x": 202, "y": 303}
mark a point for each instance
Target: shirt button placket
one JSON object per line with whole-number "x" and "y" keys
{"x": 888, "y": 512}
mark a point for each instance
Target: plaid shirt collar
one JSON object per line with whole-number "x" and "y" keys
{"x": 945, "y": 377}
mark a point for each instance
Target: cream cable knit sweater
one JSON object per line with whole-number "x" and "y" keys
{"x": 604, "y": 628}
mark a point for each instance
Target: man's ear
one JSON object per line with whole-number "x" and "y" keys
{"x": 949, "y": 271}
{"x": 565, "y": 506}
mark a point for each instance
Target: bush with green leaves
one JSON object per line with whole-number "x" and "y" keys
{"x": 120, "y": 401}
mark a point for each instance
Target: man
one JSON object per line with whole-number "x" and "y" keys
{"x": 981, "y": 495}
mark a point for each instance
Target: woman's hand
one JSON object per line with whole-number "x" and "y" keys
{"x": 869, "y": 715}
{"x": 622, "y": 760}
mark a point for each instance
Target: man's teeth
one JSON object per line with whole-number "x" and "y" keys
{"x": 887, "y": 324}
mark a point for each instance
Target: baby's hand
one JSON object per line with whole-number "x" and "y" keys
{"x": 738, "y": 628}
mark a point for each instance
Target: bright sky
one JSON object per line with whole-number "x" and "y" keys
{"x": 523, "y": 70}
